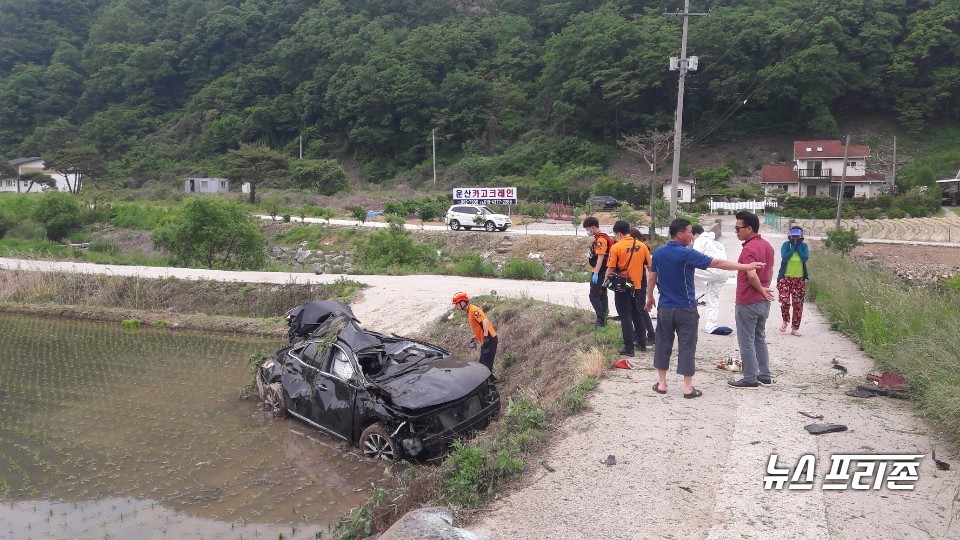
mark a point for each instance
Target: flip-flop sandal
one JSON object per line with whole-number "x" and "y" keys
{"x": 695, "y": 394}
{"x": 656, "y": 388}
{"x": 795, "y": 332}
{"x": 783, "y": 328}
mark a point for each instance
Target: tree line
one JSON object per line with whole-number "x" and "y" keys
{"x": 158, "y": 88}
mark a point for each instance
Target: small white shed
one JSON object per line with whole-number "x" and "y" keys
{"x": 206, "y": 185}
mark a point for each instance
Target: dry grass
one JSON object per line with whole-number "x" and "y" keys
{"x": 591, "y": 363}
{"x": 108, "y": 297}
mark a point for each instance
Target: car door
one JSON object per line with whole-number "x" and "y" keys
{"x": 334, "y": 393}
{"x": 297, "y": 379}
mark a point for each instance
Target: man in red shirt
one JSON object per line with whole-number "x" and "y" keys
{"x": 753, "y": 303}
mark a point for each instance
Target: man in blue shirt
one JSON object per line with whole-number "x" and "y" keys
{"x": 672, "y": 269}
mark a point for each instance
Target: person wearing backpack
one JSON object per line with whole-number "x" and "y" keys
{"x": 627, "y": 277}
{"x": 597, "y": 259}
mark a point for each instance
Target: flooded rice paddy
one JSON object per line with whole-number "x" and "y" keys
{"x": 113, "y": 433}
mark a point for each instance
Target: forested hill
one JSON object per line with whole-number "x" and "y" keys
{"x": 162, "y": 85}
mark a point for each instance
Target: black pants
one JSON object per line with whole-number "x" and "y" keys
{"x": 630, "y": 306}
{"x": 488, "y": 351}
{"x": 598, "y": 298}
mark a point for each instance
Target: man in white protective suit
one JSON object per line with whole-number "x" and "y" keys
{"x": 709, "y": 281}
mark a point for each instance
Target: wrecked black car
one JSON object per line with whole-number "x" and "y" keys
{"x": 394, "y": 396}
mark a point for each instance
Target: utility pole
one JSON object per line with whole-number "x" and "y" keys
{"x": 893, "y": 181}
{"x": 843, "y": 180}
{"x": 683, "y": 66}
{"x": 433, "y": 135}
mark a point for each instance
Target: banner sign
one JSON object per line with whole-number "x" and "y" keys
{"x": 494, "y": 195}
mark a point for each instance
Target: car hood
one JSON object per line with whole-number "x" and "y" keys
{"x": 436, "y": 383}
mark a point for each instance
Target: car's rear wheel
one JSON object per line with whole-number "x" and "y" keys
{"x": 490, "y": 226}
{"x": 375, "y": 443}
{"x": 454, "y": 225}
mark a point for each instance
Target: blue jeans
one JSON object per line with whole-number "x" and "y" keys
{"x": 752, "y": 338}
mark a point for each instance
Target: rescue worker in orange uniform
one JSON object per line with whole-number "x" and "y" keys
{"x": 630, "y": 258}
{"x": 482, "y": 329}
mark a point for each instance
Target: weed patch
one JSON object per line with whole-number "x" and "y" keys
{"x": 907, "y": 329}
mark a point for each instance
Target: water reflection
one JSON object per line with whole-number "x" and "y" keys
{"x": 115, "y": 422}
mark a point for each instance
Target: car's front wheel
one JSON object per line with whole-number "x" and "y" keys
{"x": 273, "y": 400}
{"x": 375, "y": 443}
{"x": 490, "y": 226}
{"x": 454, "y": 225}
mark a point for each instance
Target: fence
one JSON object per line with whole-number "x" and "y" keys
{"x": 743, "y": 205}
{"x": 773, "y": 221}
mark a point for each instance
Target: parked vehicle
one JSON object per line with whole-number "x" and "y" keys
{"x": 468, "y": 216}
{"x": 605, "y": 202}
{"x": 394, "y": 397}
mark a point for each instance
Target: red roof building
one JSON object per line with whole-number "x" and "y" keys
{"x": 817, "y": 169}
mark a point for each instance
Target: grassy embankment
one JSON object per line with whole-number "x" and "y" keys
{"x": 175, "y": 303}
{"x": 908, "y": 329}
{"x": 549, "y": 359}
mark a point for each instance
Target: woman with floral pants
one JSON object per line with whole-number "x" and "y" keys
{"x": 792, "y": 279}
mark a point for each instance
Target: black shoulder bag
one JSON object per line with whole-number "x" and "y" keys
{"x": 619, "y": 283}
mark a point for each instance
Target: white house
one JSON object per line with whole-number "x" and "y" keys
{"x": 817, "y": 168}
{"x": 30, "y": 165}
{"x": 206, "y": 185}
{"x": 686, "y": 189}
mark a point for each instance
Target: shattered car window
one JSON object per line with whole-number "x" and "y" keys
{"x": 342, "y": 367}
{"x": 314, "y": 354}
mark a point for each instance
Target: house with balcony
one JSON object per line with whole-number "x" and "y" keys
{"x": 817, "y": 168}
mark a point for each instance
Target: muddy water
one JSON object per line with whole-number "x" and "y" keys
{"x": 114, "y": 433}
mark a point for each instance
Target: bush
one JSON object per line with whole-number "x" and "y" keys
{"x": 102, "y": 246}
{"x": 393, "y": 248}
{"x": 825, "y": 213}
{"x": 842, "y": 240}
{"x": 472, "y": 264}
{"x": 358, "y": 214}
{"x": 871, "y": 213}
{"x": 896, "y": 213}
{"x": 60, "y": 213}
{"x": 524, "y": 269}
{"x": 214, "y": 233}
{"x": 136, "y": 216}
{"x": 4, "y": 226}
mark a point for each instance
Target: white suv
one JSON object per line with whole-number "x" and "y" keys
{"x": 469, "y": 216}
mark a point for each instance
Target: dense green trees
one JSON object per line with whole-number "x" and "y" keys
{"x": 155, "y": 86}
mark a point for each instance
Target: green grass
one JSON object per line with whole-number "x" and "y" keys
{"x": 907, "y": 329}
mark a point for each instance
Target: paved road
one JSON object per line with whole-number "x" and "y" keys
{"x": 387, "y": 302}
{"x": 552, "y": 228}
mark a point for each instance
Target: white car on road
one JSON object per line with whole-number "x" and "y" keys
{"x": 468, "y": 216}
